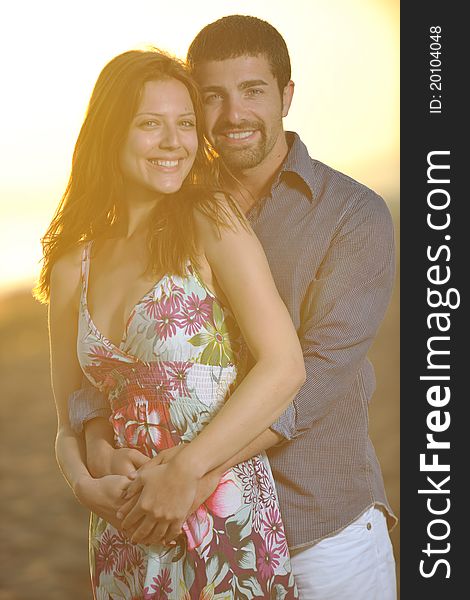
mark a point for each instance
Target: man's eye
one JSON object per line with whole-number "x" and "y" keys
{"x": 212, "y": 98}
{"x": 254, "y": 92}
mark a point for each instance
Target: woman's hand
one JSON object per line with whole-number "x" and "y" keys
{"x": 102, "y": 496}
{"x": 162, "y": 458}
{"x": 168, "y": 493}
{"x": 205, "y": 488}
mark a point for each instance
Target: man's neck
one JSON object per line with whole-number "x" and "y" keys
{"x": 250, "y": 185}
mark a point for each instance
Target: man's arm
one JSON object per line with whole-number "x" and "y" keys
{"x": 89, "y": 413}
{"x": 342, "y": 311}
{"x": 86, "y": 404}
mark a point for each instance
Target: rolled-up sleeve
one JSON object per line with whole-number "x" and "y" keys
{"x": 85, "y": 404}
{"x": 342, "y": 310}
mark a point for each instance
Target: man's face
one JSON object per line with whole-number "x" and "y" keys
{"x": 243, "y": 109}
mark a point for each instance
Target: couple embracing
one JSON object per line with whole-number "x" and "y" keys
{"x": 219, "y": 290}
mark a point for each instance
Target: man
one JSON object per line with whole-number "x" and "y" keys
{"x": 329, "y": 242}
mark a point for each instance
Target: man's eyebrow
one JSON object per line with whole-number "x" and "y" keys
{"x": 252, "y": 83}
{"x": 242, "y": 86}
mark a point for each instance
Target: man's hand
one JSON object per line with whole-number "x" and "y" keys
{"x": 125, "y": 461}
{"x": 102, "y": 496}
{"x": 101, "y": 455}
{"x": 104, "y": 460}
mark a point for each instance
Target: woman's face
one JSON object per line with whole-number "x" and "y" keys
{"x": 161, "y": 144}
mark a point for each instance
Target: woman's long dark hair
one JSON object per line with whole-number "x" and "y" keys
{"x": 92, "y": 202}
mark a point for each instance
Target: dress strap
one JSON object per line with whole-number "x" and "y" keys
{"x": 85, "y": 271}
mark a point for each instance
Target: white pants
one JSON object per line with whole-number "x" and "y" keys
{"x": 355, "y": 564}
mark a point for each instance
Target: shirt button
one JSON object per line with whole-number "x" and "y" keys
{"x": 369, "y": 526}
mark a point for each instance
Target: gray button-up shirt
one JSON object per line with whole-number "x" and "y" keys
{"x": 329, "y": 243}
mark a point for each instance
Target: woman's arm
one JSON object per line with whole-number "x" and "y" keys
{"x": 101, "y": 496}
{"x": 240, "y": 268}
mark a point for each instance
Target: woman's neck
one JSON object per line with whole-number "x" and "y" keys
{"x": 138, "y": 216}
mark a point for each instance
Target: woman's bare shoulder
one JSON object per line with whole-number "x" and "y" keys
{"x": 66, "y": 271}
{"x": 218, "y": 214}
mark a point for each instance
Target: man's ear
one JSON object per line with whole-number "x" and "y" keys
{"x": 287, "y": 95}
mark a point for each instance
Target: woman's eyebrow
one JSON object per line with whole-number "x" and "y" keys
{"x": 154, "y": 114}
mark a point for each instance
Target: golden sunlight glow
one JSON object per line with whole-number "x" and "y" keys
{"x": 345, "y": 65}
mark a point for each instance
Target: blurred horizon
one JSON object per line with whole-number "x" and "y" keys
{"x": 26, "y": 283}
{"x": 345, "y": 64}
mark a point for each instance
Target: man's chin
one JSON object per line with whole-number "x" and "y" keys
{"x": 239, "y": 160}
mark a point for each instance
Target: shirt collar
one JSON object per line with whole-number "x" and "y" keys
{"x": 298, "y": 163}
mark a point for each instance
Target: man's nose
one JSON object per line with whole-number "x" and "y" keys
{"x": 170, "y": 138}
{"x": 233, "y": 109}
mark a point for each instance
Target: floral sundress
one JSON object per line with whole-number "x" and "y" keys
{"x": 173, "y": 370}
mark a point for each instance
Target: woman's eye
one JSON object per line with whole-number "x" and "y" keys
{"x": 188, "y": 124}
{"x": 149, "y": 123}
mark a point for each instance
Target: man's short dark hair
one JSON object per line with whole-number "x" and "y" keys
{"x": 242, "y": 35}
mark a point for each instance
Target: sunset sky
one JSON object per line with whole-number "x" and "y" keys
{"x": 344, "y": 57}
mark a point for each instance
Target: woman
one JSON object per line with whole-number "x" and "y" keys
{"x": 155, "y": 277}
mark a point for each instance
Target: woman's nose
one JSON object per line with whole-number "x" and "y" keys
{"x": 170, "y": 139}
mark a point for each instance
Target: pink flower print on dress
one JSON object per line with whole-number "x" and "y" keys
{"x": 104, "y": 374}
{"x": 177, "y": 371}
{"x": 174, "y": 295}
{"x": 130, "y": 556}
{"x": 160, "y": 588}
{"x": 224, "y": 502}
{"x": 195, "y": 313}
{"x": 226, "y": 499}
{"x": 143, "y": 426}
{"x": 162, "y": 389}
{"x": 267, "y": 561}
{"x": 190, "y": 322}
{"x": 274, "y": 530}
{"x": 166, "y": 319}
{"x": 99, "y": 352}
{"x": 198, "y": 528}
{"x": 107, "y": 552}
{"x": 151, "y": 307}
{"x": 198, "y": 308}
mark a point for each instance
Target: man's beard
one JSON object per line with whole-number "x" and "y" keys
{"x": 239, "y": 159}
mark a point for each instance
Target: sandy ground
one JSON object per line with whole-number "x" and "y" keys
{"x": 43, "y": 529}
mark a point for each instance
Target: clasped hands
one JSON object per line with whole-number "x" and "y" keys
{"x": 160, "y": 494}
